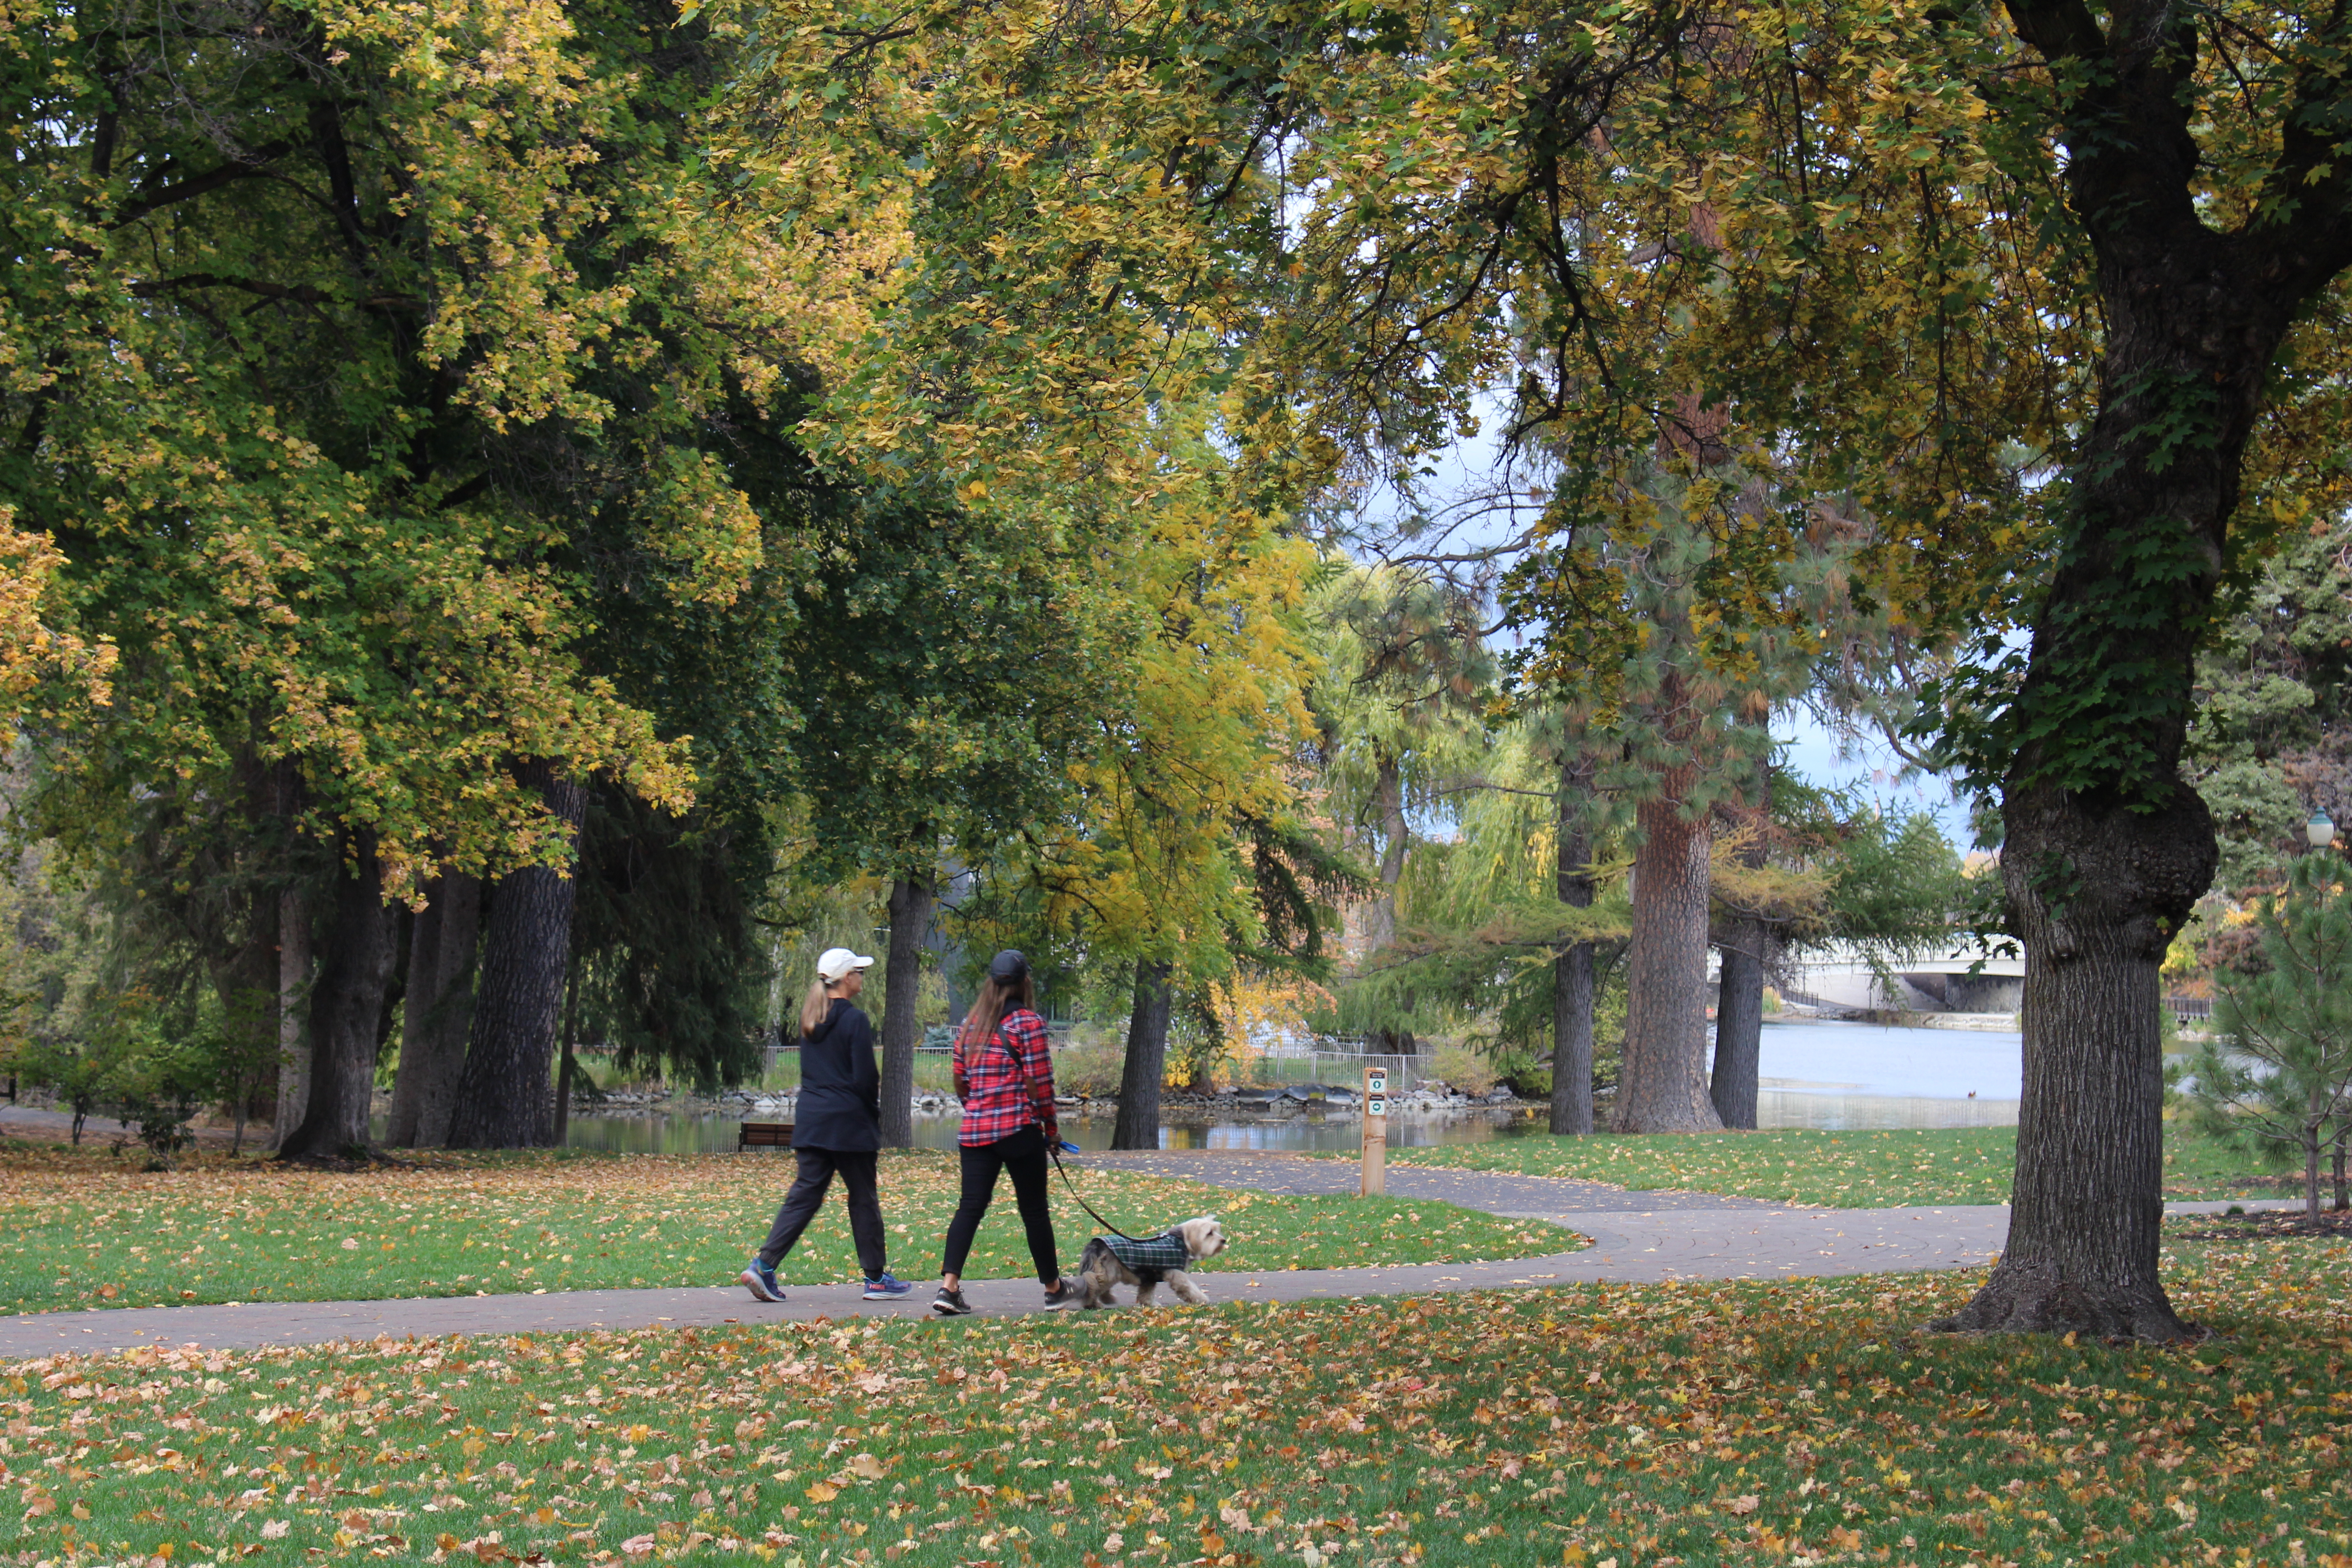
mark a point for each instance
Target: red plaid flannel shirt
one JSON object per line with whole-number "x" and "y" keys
{"x": 1008, "y": 1083}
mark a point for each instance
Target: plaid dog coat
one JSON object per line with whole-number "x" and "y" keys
{"x": 1150, "y": 1260}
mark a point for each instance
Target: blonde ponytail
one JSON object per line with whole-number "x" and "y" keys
{"x": 814, "y": 1007}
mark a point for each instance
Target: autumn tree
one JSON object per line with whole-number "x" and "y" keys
{"x": 338, "y": 324}
{"x": 945, "y": 671}
{"x": 1183, "y": 853}
{"x": 2195, "y": 164}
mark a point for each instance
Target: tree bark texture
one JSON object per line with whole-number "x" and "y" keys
{"x": 1738, "y": 1025}
{"x": 2106, "y": 847}
{"x": 1747, "y": 943}
{"x": 2086, "y": 1205}
{"x": 293, "y": 1023}
{"x": 423, "y": 969}
{"x": 1661, "y": 1080}
{"x": 1147, "y": 1059}
{"x": 569, "y": 1069}
{"x": 438, "y": 1014}
{"x": 503, "y": 1095}
{"x": 346, "y": 1005}
{"x": 1571, "y": 978}
{"x": 911, "y": 902}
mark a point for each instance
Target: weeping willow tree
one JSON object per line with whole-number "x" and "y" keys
{"x": 1480, "y": 925}
{"x": 1399, "y": 707}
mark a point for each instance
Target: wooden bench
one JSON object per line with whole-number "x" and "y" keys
{"x": 763, "y": 1135}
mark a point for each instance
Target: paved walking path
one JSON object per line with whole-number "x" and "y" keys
{"x": 1636, "y": 1238}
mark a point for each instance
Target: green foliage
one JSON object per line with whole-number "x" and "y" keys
{"x": 672, "y": 966}
{"x": 379, "y": 368}
{"x": 1897, "y": 889}
{"x": 945, "y": 672}
{"x": 2273, "y": 733}
{"x": 2278, "y": 1067}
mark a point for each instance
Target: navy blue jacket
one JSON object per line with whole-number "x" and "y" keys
{"x": 840, "y": 1104}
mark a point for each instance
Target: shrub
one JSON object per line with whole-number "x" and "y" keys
{"x": 1464, "y": 1069}
{"x": 1089, "y": 1066}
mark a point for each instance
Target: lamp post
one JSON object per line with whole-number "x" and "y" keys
{"x": 2320, "y": 831}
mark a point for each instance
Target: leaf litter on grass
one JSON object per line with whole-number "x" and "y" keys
{"x": 1658, "y": 1426}
{"x": 92, "y": 1232}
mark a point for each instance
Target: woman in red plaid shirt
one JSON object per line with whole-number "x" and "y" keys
{"x": 1005, "y": 1080}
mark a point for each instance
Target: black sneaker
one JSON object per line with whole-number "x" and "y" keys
{"x": 950, "y": 1304}
{"x": 1060, "y": 1295}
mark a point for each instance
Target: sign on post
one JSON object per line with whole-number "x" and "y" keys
{"x": 1376, "y": 1131}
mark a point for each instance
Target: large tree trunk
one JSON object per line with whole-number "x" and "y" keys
{"x": 503, "y": 1095}
{"x": 1662, "y": 1083}
{"x": 911, "y": 919}
{"x": 424, "y": 971}
{"x": 1572, "y": 979}
{"x": 346, "y": 1006}
{"x": 293, "y": 1022}
{"x": 2087, "y": 1207}
{"x": 2105, "y": 850}
{"x": 1738, "y": 1024}
{"x": 1147, "y": 1059}
{"x": 438, "y": 1014}
{"x": 1747, "y": 943}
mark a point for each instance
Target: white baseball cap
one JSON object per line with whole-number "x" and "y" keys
{"x": 838, "y": 962}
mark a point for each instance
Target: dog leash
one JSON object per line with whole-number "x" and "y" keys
{"x": 1086, "y": 1205}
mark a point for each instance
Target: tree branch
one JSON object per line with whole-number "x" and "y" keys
{"x": 197, "y": 185}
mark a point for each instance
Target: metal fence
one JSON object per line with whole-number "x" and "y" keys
{"x": 1337, "y": 1069}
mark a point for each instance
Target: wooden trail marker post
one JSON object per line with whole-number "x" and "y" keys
{"x": 1376, "y": 1131}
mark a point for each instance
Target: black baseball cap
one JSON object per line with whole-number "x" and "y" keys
{"x": 1008, "y": 966}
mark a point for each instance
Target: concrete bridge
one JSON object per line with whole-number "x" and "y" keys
{"x": 1839, "y": 975}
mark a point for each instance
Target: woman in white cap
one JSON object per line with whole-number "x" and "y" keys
{"x": 838, "y": 1129}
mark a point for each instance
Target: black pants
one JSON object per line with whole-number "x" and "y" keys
{"x": 1024, "y": 1155}
{"x": 818, "y": 1167}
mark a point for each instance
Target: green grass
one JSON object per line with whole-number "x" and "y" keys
{"x": 1691, "y": 1424}
{"x": 1837, "y": 1170}
{"x": 84, "y": 1229}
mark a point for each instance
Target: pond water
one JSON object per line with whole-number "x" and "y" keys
{"x": 1813, "y": 1075}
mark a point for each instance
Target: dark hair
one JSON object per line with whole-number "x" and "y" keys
{"x": 997, "y": 998}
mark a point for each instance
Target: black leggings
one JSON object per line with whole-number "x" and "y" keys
{"x": 1024, "y": 1155}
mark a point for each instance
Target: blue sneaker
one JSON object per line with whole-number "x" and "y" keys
{"x": 762, "y": 1279}
{"x": 889, "y": 1287}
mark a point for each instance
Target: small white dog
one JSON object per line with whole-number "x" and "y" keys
{"x": 1120, "y": 1260}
